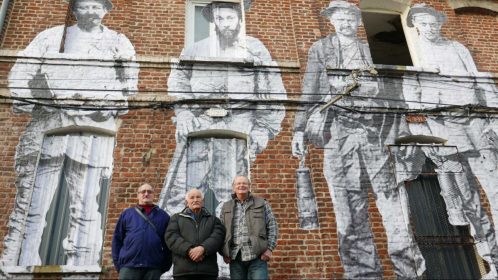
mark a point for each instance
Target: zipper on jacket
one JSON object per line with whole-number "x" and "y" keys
{"x": 197, "y": 233}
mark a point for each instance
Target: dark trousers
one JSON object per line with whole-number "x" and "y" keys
{"x": 132, "y": 273}
{"x": 195, "y": 277}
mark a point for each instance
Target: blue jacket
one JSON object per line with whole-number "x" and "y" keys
{"x": 137, "y": 244}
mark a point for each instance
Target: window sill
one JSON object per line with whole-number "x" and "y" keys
{"x": 52, "y": 269}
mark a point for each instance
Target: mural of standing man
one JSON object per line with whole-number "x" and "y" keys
{"x": 354, "y": 151}
{"x": 475, "y": 139}
{"x": 65, "y": 156}
{"x": 210, "y": 163}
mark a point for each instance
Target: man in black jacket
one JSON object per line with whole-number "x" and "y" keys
{"x": 195, "y": 236}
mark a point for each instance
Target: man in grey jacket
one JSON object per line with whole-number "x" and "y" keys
{"x": 252, "y": 232}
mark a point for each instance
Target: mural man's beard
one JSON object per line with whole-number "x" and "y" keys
{"x": 228, "y": 37}
{"x": 89, "y": 20}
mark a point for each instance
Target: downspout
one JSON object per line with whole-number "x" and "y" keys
{"x": 3, "y": 13}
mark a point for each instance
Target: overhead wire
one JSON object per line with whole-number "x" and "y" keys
{"x": 227, "y": 67}
{"x": 407, "y": 79}
{"x": 470, "y": 111}
{"x": 226, "y": 95}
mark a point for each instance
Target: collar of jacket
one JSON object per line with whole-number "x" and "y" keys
{"x": 142, "y": 209}
{"x": 249, "y": 197}
{"x": 186, "y": 212}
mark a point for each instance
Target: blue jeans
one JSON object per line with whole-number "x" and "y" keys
{"x": 130, "y": 273}
{"x": 250, "y": 270}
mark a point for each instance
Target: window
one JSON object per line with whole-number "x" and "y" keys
{"x": 386, "y": 38}
{"x": 384, "y": 23}
{"x": 197, "y": 27}
{"x": 448, "y": 250}
{"x": 484, "y": 4}
{"x": 212, "y": 163}
{"x": 443, "y": 206}
{"x": 211, "y": 42}
{"x": 66, "y": 218}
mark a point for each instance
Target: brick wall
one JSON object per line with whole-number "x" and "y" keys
{"x": 146, "y": 138}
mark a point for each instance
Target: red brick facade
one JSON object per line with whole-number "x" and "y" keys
{"x": 146, "y": 137}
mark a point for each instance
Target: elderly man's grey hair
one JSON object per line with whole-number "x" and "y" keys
{"x": 241, "y": 176}
{"x": 191, "y": 190}
{"x": 145, "y": 184}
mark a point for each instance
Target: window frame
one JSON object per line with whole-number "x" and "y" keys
{"x": 428, "y": 175}
{"x": 400, "y": 7}
{"x": 220, "y": 134}
{"x": 190, "y": 20}
{"x": 103, "y": 204}
{"x": 403, "y": 24}
{"x": 442, "y": 242}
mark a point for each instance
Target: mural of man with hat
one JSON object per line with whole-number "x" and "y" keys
{"x": 355, "y": 153}
{"x": 230, "y": 65}
{"x": 66, "y": 152}
{"x": 206, "y": 74}
{"x": 475, "y": 137}
{"x": 433, "y": 49}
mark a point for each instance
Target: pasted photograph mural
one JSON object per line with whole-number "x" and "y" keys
{"x": 64, "y": 158}
{"x": 453, "y": 92}
{"x": 217, "y": 141}
{"x": 360, "y": 152}
{"x": 354, "y": 145}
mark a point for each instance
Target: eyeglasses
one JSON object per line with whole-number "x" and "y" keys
{"x": 146, "y": 191}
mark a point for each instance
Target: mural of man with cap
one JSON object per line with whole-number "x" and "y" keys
{"x": 64, "y": 158}
{"x": 475, "y": 139}
{"x": 354, "y": 151}
{"x": 433, "y": 50}
{"x": 207, "y": 73}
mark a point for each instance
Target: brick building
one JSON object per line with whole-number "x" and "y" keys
{"x": 398, "y": 121}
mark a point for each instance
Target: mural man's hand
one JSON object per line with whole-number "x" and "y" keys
{"x": 298, "y": 144}
{"x": 186, "y": 122}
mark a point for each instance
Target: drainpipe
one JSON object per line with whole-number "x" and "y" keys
{"x": 3, "y": 13}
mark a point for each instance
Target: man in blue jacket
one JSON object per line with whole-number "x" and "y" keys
{"x": 138, "y": 248}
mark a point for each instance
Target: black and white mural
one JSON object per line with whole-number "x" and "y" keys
{"x": 458, "y": 85}
{"x": 217, "y": 141}
{"x": 74, "y": 81}
{"x": 359, "y": 145}
{"x": 64, "y": 158}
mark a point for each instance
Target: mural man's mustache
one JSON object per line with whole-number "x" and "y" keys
{"x": 89, "y": 17}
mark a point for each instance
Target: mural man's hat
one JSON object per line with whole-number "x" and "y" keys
{"x": 339, "y": 4}
{"x": 423, "y": 9}
{"x": 107, "y": 3}
{"x": 207, "y": 11}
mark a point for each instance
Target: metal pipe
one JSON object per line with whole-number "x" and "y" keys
{"x": 3, "y": 13}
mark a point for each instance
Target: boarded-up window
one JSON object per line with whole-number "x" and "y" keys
{"x": 448, "y": 250}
